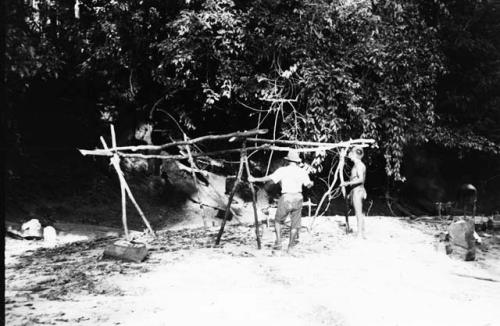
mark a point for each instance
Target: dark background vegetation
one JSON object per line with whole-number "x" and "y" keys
{"x": 420, "y": 77}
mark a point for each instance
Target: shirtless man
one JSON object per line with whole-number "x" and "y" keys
{"x": 291, "y": 177}
{"x": 357, "y": 185}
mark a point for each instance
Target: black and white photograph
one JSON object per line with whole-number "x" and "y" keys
{"x": 250, "y": 162}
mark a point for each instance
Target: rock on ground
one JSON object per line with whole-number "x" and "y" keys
{"x": 32, "y": 228}
{"x": 462, "y": 236}
{"x": 49, "y": 235}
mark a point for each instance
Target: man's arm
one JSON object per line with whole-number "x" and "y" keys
{"x": 261, "y": 179}
{"x": 308, "y": 182}
{"x": 274, "y": 177}
{"x": 360, "y": 177}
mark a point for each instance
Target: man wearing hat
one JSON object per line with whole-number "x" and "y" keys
{"x": 291, "y": 177}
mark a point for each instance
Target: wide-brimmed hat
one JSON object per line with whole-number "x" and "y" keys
{"x": 293, "y": 156}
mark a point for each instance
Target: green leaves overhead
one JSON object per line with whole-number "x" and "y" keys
{"x": 329, "y": 70}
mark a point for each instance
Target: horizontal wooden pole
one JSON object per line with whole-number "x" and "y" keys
{"x": 266, "y": 145}
{"x": 234, "y": 150}
{"x": 278, "y": 100}
{"x": 238, "y": 134}
{"x": 104, "y": 152}
{"x": 301, "y": 150}
{"x": 310, "y": 143}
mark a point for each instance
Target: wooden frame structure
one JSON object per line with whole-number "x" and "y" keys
{"x": 115, "y": 153}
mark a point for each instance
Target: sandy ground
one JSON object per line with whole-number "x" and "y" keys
{"x": 395, "y": 277}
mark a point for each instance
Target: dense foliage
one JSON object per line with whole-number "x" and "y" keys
{"x": 401, "y": 72}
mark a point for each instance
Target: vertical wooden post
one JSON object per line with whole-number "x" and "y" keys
{"x": 113, "y": 138}
{"x": 124, "y": 210}
{"x": 115, "y": 161}
{"x": 195, "y": 180}
{"x": 230, "y": 200}
{"x": 139, "y": 210}
{"x": 122, "y": 187}
{"x": 341, "y": 177}
{"x": 77, "y": 9}
{"x": 274, "y": 138}
{"x": 254, "y": 196}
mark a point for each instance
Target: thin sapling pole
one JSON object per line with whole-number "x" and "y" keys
{"x": 274, "y": 138}
{"x": 254, "y": 196}
{"x": 230, "y": 200}
{"x": 115, "y": 161}
{"x": 349, "y": 143}
{"x": 103, "y": 152}
{"x": 195, "y": 180}
{"x": 342, "y": 188}
{"x": 239, "y": 134}
{"x": 124, "y": 210}
{"x": 122, "y": 187}
{"x": 139, "y": 210}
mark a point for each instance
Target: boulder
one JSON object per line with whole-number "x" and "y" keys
{"x": 49, "y": 235}
{"x": 32, "y": 230}
{"x": 461, "y": 236}
{"x": 495, "y": 221}
{"x": 126, "y": 250}
{"x": 13, "y": 233}
{"x": 461, "y": 233}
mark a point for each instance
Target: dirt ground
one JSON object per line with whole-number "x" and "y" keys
{"x": 399, "y": 275}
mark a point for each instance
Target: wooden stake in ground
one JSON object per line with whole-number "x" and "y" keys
{"x": 254, "y": 196}
{"x": 309, "y": 205}
{"x": 122, "y": 187}
{"x": 230, "y": 199}
{"x": 195, "y": 179}
{"x": 342, "y": 188}
{"x": 115, "y": 162}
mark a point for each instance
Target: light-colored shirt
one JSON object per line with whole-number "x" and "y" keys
{"x": 291, "y": 178}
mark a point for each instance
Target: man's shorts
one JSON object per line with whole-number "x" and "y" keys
{"x": 290, "y": 204}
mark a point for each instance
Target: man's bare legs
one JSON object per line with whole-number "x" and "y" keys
{"x": 293, "y": 238}
{"x": 358, "y": 210}
{"x": 277, "y": 229}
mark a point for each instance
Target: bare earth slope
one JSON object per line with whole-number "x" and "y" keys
{"x": 395, "y": 277}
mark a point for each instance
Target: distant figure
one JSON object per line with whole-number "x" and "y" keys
{"x": 444, "y": 209}
{"x": 291, "y": 177}
{"x": 136, "y": 134}
{"x": 357, "y": 183}
{"x": 467, "y": 197}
